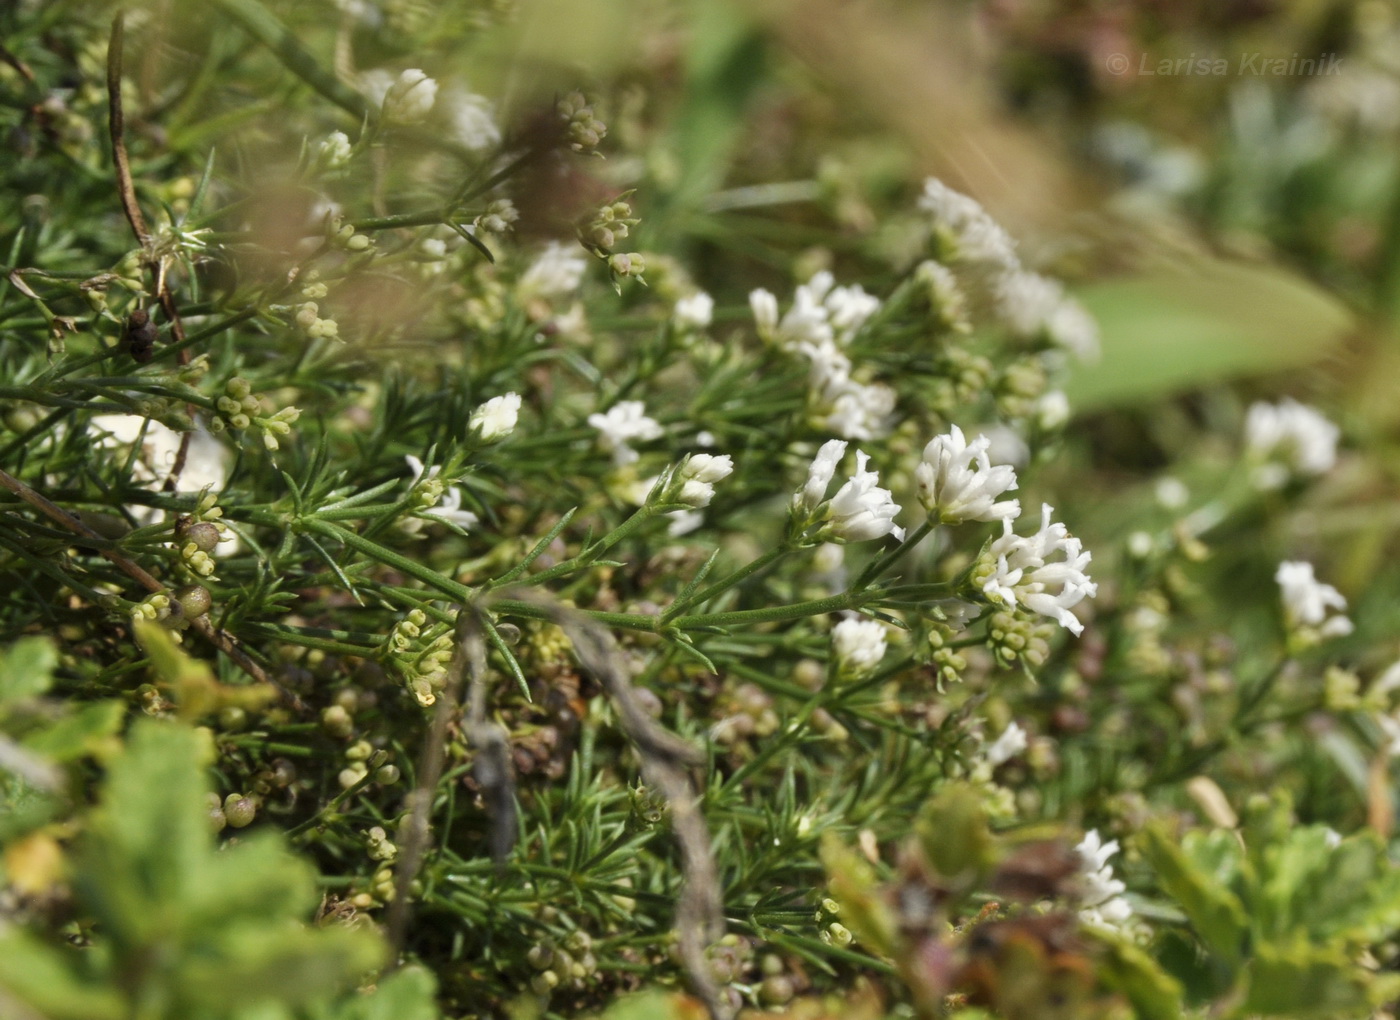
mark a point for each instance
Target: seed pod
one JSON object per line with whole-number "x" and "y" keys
{"x": 204, "y": 535}
{"x": 194, "y": 600}
{"x": 239, "y": 810}
{"x": 387, "y": 775}
{"x": 139, "y": 339}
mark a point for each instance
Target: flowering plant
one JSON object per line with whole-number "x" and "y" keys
{"x": 450, "y": 605}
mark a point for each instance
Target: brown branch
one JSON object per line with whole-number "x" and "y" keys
{"x": 116, "y": 123}
{"x": 417, "y": 830}
{"x": 19, "y": 65}
{"x": 220, "y": 639}
{"x": 126, "y": 188}
{"x": 666, "y": 764}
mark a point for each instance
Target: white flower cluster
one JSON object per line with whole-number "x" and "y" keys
{"x": 206, "y": 460}
{"x": 472, "y": 119}
{"x": 1018, "y": 571}
{"x": 1287, "y": 440}
{"x": 694, "y": 481}
{"x": 1307, "y": 603}
{"x": 858, "y": 646}
{"x": 1103, "y": 904}
{"x": 859, "y": 512}
{"x": 957, "y": 481}
{"x": 624, "y": 423}
{"x": 970, "y": 230}
{"x": 693, "y": 312}
{"x": 1031, "y": 305}
{"x": 410, "y": 99}
{"x": 556, "y": 272}
{"x": 822, "y": 319}
{"x": 820, "y": 311}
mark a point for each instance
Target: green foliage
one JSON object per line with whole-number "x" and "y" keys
{"x": 183, "y": 929}
{"x": 1285, "y": 909}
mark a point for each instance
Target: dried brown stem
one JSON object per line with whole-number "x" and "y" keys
{"x": 417, "y": 830}
{"x": 116, "y": 122}
{"x": 666, "y": 764}
{"x": 19, "y": 65}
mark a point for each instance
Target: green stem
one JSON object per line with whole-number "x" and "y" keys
{"x": 880, "y": 564}
{"x": 774, "y": 614}
{"x": 452, "y": 589}
{"x": 262, "y": 25}
{"x": 725, "y": 583}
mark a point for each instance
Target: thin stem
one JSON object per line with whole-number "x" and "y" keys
{"x": 880, "y": 564}
{"x": 725, "y": 583}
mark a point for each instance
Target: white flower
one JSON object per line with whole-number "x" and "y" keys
{"x": 473, "y": 120}
{"x": 1070, "y": 327}
{"x": 975, "y": 236}
{"x": 1306, "y": 602}
{"x": 624, "y": 423}
{"x": 945, "y": 296}
{"x": 1291, "y": 438}
{"x": 694, "y": 481}
{"x": 1025, "y": 301}
{"x": 820, "y": 313}
{"x": 683, "y": 522}
{"x": 1032, "y": 305}
{"x": 1007, "y": 746}
{"x": 375, "y": 84}
{"x": 450, "y": 510}
{"x": 859, "y": 411}
{"x": 496, "y": 418}
{"x": 500, "y": 214}
{"x": 806, "y": 500}
{"x": 858, "y": 645}
{"x": 335, "y": 150}
{"x": 1017, "y": 571}
{"x": 958, "y": 483}
{"x": 1051, "y": 411}
{"x": 206, "y": 459}
{"x": 694, "y": 311}
{"x": 861, "y": 510}
{"x": 556, "y": 272}
{"x": 765, "y": 311}
{"x": 410, "y": 99}
{"x": 1102, "y": 899}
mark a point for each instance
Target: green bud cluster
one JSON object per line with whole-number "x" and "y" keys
{"x": 1020, "y": 386}
{"x": 948, "y": 661}
{"x": 419, "y": 657}
{"x": 963, "y": 378}
{"x": 752, "y": 715}
{"x": 1014, "y": 637}
{"x": 569, "y": 963}
{"x": 582, "y": 128}
{"x": 379, "y": 846}
{"x": 609, "y": 224}
{"x": 499, "y": 218}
